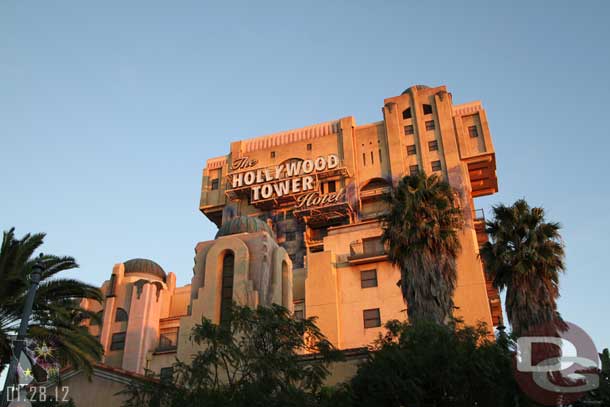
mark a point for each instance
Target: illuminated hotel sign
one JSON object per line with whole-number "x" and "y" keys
{"x": 295, "y": 177}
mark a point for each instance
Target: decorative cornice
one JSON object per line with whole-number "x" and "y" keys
{"x": 291, "y": 136}
{"x": 216, "y": 162}
{"x": 467, "y": 108}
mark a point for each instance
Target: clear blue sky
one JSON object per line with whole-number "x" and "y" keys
{"x": 108, "y": 111}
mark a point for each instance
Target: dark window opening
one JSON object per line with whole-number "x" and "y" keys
{"x": 372, "y": 158}
{"x": 215, "y": 183}
{"x": 166, "y": 374}
{"x": 118, "y": 341}
{"x": 411, "y": 150}
{"x": 433, "y": 145}
{"x": 368, "y": 278}
{"x": 332, "y": 186}
{"x": 436, "y": 166}
{"x": 430, "y": 125}
{"x": 372, "y": 318}
{"x": 427, "y": 109}
{"x": 408, "y": 129}
{"x": 473, "y": 132}
{"x": 309, "y": 147}
{"x": 299, "y": 310}
{"x": 406, "y": 114}
{"x": 413, "y": 169}
{"x": 121, "y": 315}
{"x": 226, "y": 293}
{"x": 380, "y": 156}
{"x": 273, "y": 154}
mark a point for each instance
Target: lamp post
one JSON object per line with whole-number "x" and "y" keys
{"x": 35, "y": 277}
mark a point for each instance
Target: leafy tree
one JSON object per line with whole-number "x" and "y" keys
{"x": 427, "y": 364}
{"x": 524, "y": 257}
{"x": 601, "y": 395}
{"x": 255, "y": 358}
{"x": 57, "y": 314}
{"x": 421, "y": 232}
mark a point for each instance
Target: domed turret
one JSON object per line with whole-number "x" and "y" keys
{"x": 144, "y": 266}
{"x": 244, "y": 224}
{"x": 418, "y": 87}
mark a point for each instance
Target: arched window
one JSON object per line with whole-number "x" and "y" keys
{"x": 121, "y": 315}
{"x": 226, "y": 293}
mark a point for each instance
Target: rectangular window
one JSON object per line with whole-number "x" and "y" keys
{"x": 473, "y": 132}
{"x": 215, "y": 183}
{"x": 309, "y": 147}
{"x": 273, "y": 154}
{"x": 436, "y": 166}
{"x": 433, "y": 145}
{"x": 368, "y": 278}
{"x": 289, "y": 215}
{"x": 118, "y": 341}
{"x": 290, "y": 236}
{"x": 166, "y": 374}
{"x": 372, "y": 246}
{"x": 299, "y": 309}
{"x": 408, "y": 129}
{"x": 168, "y": 339}
{"x": 413, "y": 169}
{"x": 430, "y": 125}
{"x": 411, "y": 150}
{"x": 332, "y": 186}
{"x": 372, "y": 318}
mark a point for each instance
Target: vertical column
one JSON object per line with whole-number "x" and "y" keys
{"x": 143, "y": 326}
{"x": 393, "y": 133}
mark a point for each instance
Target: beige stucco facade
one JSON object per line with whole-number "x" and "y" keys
{"x": 299, "y": 215}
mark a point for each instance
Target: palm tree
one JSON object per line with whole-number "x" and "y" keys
{"x": 57, "y": 315}
{"x": 421, "y": 233}
{"x": 525, "y": 256}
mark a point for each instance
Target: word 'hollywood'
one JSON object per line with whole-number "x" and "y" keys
{"x": 266, "y": 183}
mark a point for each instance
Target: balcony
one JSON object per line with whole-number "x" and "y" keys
{"x": 314, "y": 238}
{"x": 367, "y": 250}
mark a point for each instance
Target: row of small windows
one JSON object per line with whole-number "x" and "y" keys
{"x": 309, "y": 148}
{"x": 408, "y": 129}
{"x": 406, "y": 114}
{"x": 436, "y": 166}
{"x": 372, "y": 157}
{"x": 432, "y": 146}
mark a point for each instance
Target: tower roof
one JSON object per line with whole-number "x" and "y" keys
{"x": 144, "y": 266}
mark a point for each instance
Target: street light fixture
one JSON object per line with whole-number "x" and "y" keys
{"x": 19, "y": 346}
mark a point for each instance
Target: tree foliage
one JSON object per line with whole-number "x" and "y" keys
{"x": 57, "y": 313}
{"x": 421, "y": 232}
{"x": 427, "y": 364}
{"x": 525, "y": 257}
{"x": 255, "y": 358}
